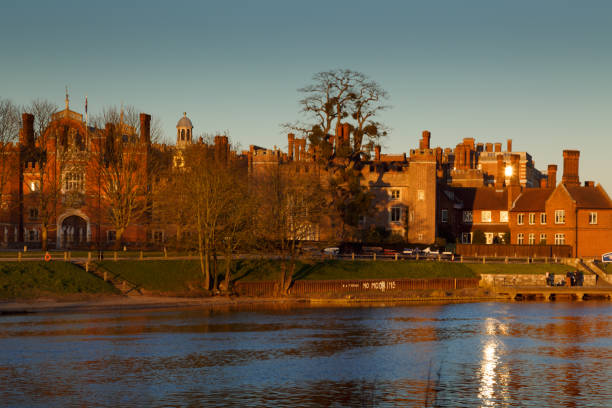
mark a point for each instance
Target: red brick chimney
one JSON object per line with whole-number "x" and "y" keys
{"x": 145, "y": 128}
{"x": 425, "y": 140}
{"x": 551, "y": 178}
{"x": 570, "y": 167}
{"x": 346, "y": 134}
{"x": 509, "y": 148}
{"x": 377, "y": 153}
{"x": 26, "y": 136}
{"x": 543, "y": 182}
{"x": 590, "y": 184}
{"x": 501, "y": 175}
{"x": 291, "y": 143}
{"x": 489, "y": 147}
{"x": 497, "y": 147}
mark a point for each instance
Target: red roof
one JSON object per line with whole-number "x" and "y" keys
{"x": 532, "y": 199}
{"x": 481, "y": 198}
{"x": 589, "y": 197}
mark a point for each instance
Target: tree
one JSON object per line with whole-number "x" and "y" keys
{"x": 123, "y": 166}
{"x": 9, "y": 129}
{"x": 289, "y": 202}
{"x": 45, "y": 181}
{"x": 342, "y": 96}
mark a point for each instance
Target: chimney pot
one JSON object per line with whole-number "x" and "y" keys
{"x": 570, "y": 167}
{"x": 498, "y": 147}
{"x": 509, "y": 145}
{"x": 551, "y": 178}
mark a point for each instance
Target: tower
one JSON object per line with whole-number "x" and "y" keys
{"x": 184, "y": 132}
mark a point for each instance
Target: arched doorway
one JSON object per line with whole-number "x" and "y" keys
{"x": 73, "y": 231}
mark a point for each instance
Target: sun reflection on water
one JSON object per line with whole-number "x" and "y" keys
{"x": 493, "y": 375}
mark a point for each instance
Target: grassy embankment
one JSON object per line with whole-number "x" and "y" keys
{"x": 28, "y": 280}
{"x": 181, "y": 276}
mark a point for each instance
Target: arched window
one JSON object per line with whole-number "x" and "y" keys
{"x": 182, "y": 134}
{"x": 188, "y": 135}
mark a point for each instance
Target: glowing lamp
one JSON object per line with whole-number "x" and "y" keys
{"x": 508, "y": 171}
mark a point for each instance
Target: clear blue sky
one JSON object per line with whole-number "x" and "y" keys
{"x": 539, "y": 72}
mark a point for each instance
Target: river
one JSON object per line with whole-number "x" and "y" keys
{"x": 465, "y": 354}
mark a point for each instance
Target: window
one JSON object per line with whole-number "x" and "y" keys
{"x": 559, "y": 216}
{"x": 158, "y": 237}
{"x": 396, "y": 214}
{"x": 520, "y": 238}
{"x": 531, "y": 218}
{"x": 485, "y": 216}
{"x": 444, "y": 215}
{"x": 520, "y": 219}
{"x": 395, "y": 195}
{"x": 532, "y": 239}
{"x": 32, "y": 235}
{"x": 543, "y": 218}
{"x": 466, "y": 238}
{"x": 489, "y": 237}
{"x": 503, "y": 216}
{"x": 542, "y": 239}
{"x": 74, "y": 182}
{"x": 421, "y": 195}
{"x": 34, "y": 186}
{"x": 467, "y": 217}
{"x": 420, "y": 237}
{"x": 33, "y": 213}
{"x": 111, "y": 236}
{"x": 592, "y": 218}
{"x": 559, "y": 239}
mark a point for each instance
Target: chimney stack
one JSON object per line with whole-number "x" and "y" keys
{"x": 489, "y": 147}
{"x": 425, "y": 140}
{"x": 515, "y": 160}
{"x": 501, "y": 172}
{"x": 589, "y": 184}
{"x": 570, "y": 167}
{"x": 551, "y": 178}
{"x": 509, "y": 145}
{"x": 543, "y": 183}
{"x": 291, "y": 143}
{"x": 27, "y": 130}
{"x": 377, "y": 153}
{"x": 145, "y": 128}
{"x": 346, "y": 134}
{"x": 497, "y": 147}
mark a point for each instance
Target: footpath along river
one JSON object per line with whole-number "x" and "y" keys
{"x": 466, "y": 354}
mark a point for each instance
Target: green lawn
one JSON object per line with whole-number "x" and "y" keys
{"x": 26, "y": 280}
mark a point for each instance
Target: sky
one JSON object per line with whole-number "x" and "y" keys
{"x": 537, "y": 72}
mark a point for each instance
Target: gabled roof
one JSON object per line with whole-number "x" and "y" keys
{"x": 481, "y": 198}
{"x": 589, "y": 197}
{"x": 532, "y": 199}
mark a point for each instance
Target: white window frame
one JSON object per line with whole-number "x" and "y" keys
{"x": 395, "y": 215}
{"x": 542, "y": 238}
{"x": 531, "y": 239}
{"x": 520, "y": 219}
{"x": 467, "y": 217}
{"x": 532, "y": 218}
{"x": 543, "y": 218}
{"x": 395, "y": 195}
{"x": 520, "y": 238}
{"x": 593, "y": 218}
{"x": 421, "y": 195}
{"x": 559, "y": 216}
{"x": 485, "y": 216}
{"x": 444, "y": 215}
{"x": 503, "y": 216}
{"x": 489, "y": 236}
{"x": 559, "y": 239}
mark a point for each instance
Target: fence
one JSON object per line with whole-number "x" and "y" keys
{"x": 302, "y": 288}
{"x": 514, "y": 251}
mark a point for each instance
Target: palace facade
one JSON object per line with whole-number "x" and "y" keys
{"x": 473, "y": 189}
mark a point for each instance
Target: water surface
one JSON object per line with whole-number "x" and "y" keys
{"x": 472, "y": 354}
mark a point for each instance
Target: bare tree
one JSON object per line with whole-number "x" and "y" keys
{"x": 290, "y": 202}
{"x": 9, "y": 130}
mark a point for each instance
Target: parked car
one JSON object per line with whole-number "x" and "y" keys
{"x": 430, "y": 252}
{"x": 409, "y": 251}
{"x": 331, "y": 251}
